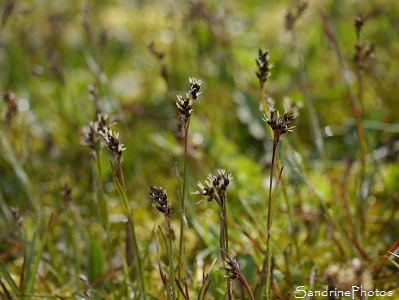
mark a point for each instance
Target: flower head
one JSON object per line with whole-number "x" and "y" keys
{"x": 215, "y": 186}
{"x": 280, "y": 125}
{"x": 89, "y": 135}
{"x": 185, "y": 106}
{"x": 11, "y": 102}
{"x": 264, "y": 66}
{"x": 195, "y": 87}
{"x": 160, "y": 196}
{"x": 111, "y": 139}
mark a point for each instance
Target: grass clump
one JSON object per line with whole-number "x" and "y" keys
{"x": 99, "y": 159}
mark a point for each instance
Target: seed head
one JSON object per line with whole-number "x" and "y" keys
{"x": 195, "y": 87}
{"x": 11, "y": 102}
{"x": 160, "y": 196}
{"x": 66, "y": 193}
{"x": 232, "y": 267}
{"x": 111, "y": 139}
{"x": 264, "y": 66}
{"x": 89, "y": 135}
{"x": 280, "y": 125}
{"x": 359, "y": 23}
{"x": 185, "y": 106}
{"x": 215, "y": 186}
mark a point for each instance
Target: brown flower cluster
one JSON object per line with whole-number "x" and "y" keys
{"x": 215, "y": 186}
{"x": 185, "y": 104}
{"x": 160, "y": 196}
{"x": 280, "y": 124}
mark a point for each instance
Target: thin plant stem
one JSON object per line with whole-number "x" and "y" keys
{"x": 120, "y": 184}
{"x": 101, "y": 199}
{"x": 182, "y": 202}
{"x": 269, "y": 222}
{"x": 120, "y": 170}
{"x": 361, "y": 206}
{"x": 103, "y": 207}
{"x": 266, "y": 109}
{"x": 224, "y": 240}
{"x": 356, "y": 112}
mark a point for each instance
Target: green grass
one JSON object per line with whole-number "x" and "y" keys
{"x": 78, "y": 222}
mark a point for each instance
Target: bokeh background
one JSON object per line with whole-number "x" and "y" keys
{"x": 139, "y": 55}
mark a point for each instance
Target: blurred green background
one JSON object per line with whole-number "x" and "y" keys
{"x": 51, "y": 51}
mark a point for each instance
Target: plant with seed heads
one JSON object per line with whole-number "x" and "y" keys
{"x": 160, "y": 196}
{"x": 184, "y": 106}
{"x": 214, "y": 187}
{"x": 280, "y": 125}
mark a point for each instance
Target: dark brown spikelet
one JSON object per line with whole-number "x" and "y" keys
{"x": 292, "y": 16}
{"x": 12, "y": 107}
{"x": 280, "y": 125}
{"x": 215, "y": 186}
{"x": 111, "y": 139}
{"x": 185, "y": 106}
{"x": 362, "y": 55}
{"x": 359, "y": 23}
{"x": 264, "y": 66}
{"x": 160, "y": 196}
{"x": 195, "y": 87}
{"x": 66, "y": 193}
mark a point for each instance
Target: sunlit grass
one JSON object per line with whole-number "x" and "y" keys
{"x": 78, "y": 222}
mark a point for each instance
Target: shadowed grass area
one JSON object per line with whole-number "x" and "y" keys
{"x": 112, "y": 112}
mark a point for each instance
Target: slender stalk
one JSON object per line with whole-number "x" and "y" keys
{"x": 101, "y": 199}
{"x": 182, "y": 202}
{"x": 269, "y": 222}
{"x": 355, "y": 110}
{"x": 120, "y": 170}
{"x": 266, "y": 109}
{"x": 120, "y": 184}
{"x": 224, "y": 239}
{"x": 172, "y": 267}
{"x": 360, "y": 201}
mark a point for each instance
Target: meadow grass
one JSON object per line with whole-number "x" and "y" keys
{"x": 155, "y": 150}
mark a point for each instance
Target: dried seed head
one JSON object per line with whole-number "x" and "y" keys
{"x": 66, "y": 193}
{"x": 280, "y": 125}
{"x": 185, "y": 106}
{"x": 215, "y": 186}
{"x": 362, "y": 56}
{"x": 111, "y": 139}
{"x": 89, "y": 135}
{"x": 12, "y": 106}
{"x": 232, "y": 268}
{"x": 291, "y": 17}
{"x": 195, "y": 87}
{"x": 263, "y": 66}
{"x": 160, "y": 196}
{"x": 359, "y": 23}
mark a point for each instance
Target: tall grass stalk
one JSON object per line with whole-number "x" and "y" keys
{"x": 101, "y": 198}
{"x": 120, "y": 184}
{"x": 357, "y": 115}
{"x": 183, "y": 204}
{"x": 160, "y": 196}
{"x": 215, "y": 187}
{"x": 224, "y": 240}
{"x": 184, "y": 105}
{"x": 279, "y": 125}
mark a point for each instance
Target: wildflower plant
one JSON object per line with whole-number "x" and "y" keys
{"x": 160, "y": 196}
{"x": 233, "y": 271}
{"x": 111, "y": 140}
{"x": 214, "y": 187}
{"x": 184, "y": 105}
{"x": 99, "y": 134}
